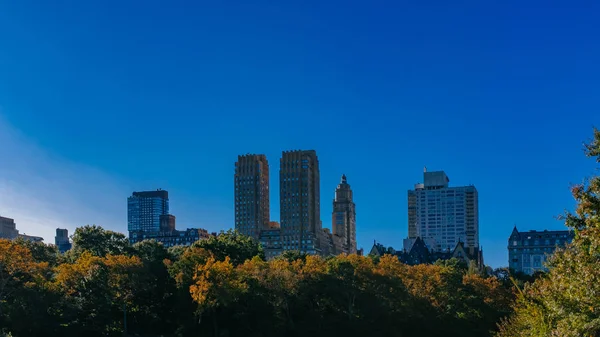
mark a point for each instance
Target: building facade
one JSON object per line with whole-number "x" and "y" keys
{"x": 8, "y": 228}
{"x": 344, "y": 218}
{"x": 419, "y": 253}
{"x": 529, "y": 251}
{"x": 175, "y": 237}
{"x": 300, "y": 201}
{"x": 300, "y": 227}
{"x": 251, "y": 182}
{"x": 270, "y": 240}
{"x": 31, "y": 238}
{"x": 148, "y": 218}
{"x": 61, "y": 240}
{"x": 441, "y": 215}
{"x": 144, "y": 210}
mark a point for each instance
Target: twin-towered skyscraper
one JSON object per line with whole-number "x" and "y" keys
{"x": 300, "y": 206}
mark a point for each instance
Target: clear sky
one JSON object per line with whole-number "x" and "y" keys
{"x": 101, "y": 98}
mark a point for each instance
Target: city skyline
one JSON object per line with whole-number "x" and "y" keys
{"x": 498, "y": 95}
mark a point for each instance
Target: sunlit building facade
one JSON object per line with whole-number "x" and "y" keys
{"x": 442, "y": 215}
{"x": 144, "y": 210}
{"x": 528, "y": 251}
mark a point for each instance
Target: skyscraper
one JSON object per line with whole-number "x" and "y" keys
{"x": 441, "y": 215}
{"x": 344, "y": 217}
{"x": 144, "y": 211}
{"x": 300, "y": 205}
{"x": 148, "y": 218}
{"x": 8, "y": 228}
{"x": 61, "y": 240}
{"x": 251, "y": 182}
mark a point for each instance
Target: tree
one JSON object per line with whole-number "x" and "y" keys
{"x": 99, "y": 241}
{"x": 94, "y": 292}
{"x": 292, "y": 255}
{"x": 181, "y": 266}
{"x": 217, "y": 285}
{"x": 232, "y": 244}
{"x": 565, "y": 301}
{"x": 22, "y": 289}
{"x": 154, "y": 296}
{"x": 40, "y": 252}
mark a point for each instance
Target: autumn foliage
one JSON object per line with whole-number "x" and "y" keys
{"x": 223, "y": 286}
{"x": 147, "y": 290}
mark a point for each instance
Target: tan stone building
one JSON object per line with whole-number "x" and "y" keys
{"x": 344, "y": 219}
{"x": 251, "y": 183}
{"x": 300, "y": 201}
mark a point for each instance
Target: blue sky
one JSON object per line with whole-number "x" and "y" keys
{"x": 100, "y": 98}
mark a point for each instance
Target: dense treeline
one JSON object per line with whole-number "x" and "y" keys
{"x": 223, "y": 287}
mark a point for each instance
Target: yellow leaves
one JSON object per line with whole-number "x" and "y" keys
{"x": 183, "y": 270}
{"x": 313, "y": 266}
{"x": 389, "y": 265}
{"x": 113, "y": 272}
{"x": 216, "y": 283}
{"x": 17, "y": 266}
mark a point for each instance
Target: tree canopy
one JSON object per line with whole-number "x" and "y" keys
{"x": 223, "y": 286}
{"x": 565, "y": 301}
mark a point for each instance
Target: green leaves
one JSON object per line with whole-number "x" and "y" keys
{"x": 99, "y": 241}
{"x": 566, "y": 301}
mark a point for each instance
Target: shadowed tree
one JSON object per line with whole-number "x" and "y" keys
{"x": 236, "y": 246}
{"x": 99, "y": 241}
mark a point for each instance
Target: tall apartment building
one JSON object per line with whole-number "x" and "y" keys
{"x": 251, "y": 181}
{"x": 528, "y": 251}
{"x": 8, "y": 228}
{"x": 61, "y": 240}
{"x": 300, "y": 204}
{"x": 144, "y": 210}
{"x": 441, "y": 215}
{"x": 344, "y": 217}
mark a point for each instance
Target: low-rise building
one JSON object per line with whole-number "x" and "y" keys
{"x": 528, "y": 251}
{"x": 172, "y": 238}
{"x": 419, "y": 253}
{"x": 31, "y": 238}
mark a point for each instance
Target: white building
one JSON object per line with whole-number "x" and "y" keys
{"x": 441, "y": 215}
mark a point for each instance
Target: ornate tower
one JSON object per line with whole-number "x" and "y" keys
{"x": 344, "y": 217}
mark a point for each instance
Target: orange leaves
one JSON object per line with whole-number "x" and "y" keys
{"x": 114, "y": 273}
{"x": 216, "y": 283}
{"x": 184, "y": 268}
{"x": 490, "y": 290}
{"x": 17, "y": 267}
